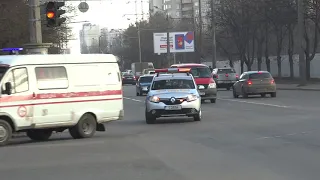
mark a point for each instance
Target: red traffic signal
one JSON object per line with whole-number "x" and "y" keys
{"x": 50, "y": 15}
{"x": 53, "y": 13}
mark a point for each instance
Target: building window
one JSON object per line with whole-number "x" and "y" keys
{"x": 196, "y": 3}
{"x": 54, "y": 77}
{"x": 178, "y": 6}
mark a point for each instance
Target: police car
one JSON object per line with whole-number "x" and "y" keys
{"x": 173, "y": 92}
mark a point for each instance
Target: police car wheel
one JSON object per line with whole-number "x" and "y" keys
{"x": 150, "y": 119}
{"x": 197, "y": 117}
{"x": 85, "y": 128}
{"x": 5, "y": 132}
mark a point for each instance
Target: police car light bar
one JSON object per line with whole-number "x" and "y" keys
{"x": 173, "y": 70}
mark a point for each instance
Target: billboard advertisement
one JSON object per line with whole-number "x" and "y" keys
{"x": 179, "y": 42}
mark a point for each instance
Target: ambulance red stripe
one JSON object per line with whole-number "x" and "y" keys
{"x": 60, "y": 96}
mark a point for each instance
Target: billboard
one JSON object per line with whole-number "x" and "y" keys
{"x": 179, "y": 42}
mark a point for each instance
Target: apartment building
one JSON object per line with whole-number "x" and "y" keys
{"x": 89, "y": 38}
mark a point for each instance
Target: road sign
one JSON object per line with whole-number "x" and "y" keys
{"x": 179, "y": 42}
{"x": 83, "y": 7}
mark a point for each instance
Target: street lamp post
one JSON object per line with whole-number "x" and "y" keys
{"x": 214, "y": 46}
{"x": 168, "y": 40}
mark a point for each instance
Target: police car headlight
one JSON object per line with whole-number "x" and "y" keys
{"x": 192, "y": 97}
{"x": 154, "y": 99}
{"x": 212, "y": 85}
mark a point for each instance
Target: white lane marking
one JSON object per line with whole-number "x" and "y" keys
{"x": 256, "y": 103}
{"x": 285, "y": 135}
{"x": 136, "y": 100}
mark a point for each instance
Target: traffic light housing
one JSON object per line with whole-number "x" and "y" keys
{"x": 53, "y": 13}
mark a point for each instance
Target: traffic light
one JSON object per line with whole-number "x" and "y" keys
{"x": 53, "y": 13}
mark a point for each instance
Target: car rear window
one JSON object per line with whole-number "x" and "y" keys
{"x": 128, "y": 75}
{"x": 146, "y": 79}
{"x": 201, "y": 72}
{"x": 225, "y": 71}
{"x": 260, "y": 76}
{"x": 173, "y": 84}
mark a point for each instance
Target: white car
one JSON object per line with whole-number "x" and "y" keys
{"x": 173, "y": 94}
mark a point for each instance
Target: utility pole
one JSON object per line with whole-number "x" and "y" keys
{"x": 214, "y": 45}
{"x": 200, "y": 29}
{"x": 139, "y": 36}
{"x": 36, "y": 46}
{"x": 302, "y": 60}
{"x": 168, "y": 39}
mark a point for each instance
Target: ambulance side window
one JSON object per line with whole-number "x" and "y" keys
{"x": 8, "y": 78}
{"x": 21, "y": 81}
{"x": 53, "y": 77}
{"x": 18, "y": 79}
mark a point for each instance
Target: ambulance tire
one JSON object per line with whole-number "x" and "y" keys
{"x": 39, "y": 134}
{"x": 85, "y": 128}
{"x": 7, "y": 131}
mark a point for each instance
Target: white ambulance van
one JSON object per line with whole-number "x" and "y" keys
{"x": 41, "y": 94}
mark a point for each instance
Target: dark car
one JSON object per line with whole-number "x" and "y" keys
{"x": 128, "y": 79}
{"x": 143, "y": 84}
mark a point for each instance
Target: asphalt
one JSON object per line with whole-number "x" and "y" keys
{"x": 237, "y": 139}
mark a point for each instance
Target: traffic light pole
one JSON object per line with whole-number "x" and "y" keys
{"x": 35, "y": 46}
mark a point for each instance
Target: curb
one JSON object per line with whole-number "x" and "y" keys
{"x": 299, "y": 89}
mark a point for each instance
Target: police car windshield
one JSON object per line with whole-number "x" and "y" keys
{"x": 173, "y": 84}
{"x": 201, "y": 72}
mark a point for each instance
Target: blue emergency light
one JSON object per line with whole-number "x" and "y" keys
{"x": 11, "y": 49}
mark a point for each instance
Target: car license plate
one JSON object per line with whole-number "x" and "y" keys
{"x": 129, "y": 78}
{"x": 202, "y": 93}
{"x": 177, "y": 107}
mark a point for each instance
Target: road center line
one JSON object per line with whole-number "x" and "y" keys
{"x": 256, "y": 103}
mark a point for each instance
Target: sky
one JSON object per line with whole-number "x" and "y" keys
{"x": 113, "y": 14}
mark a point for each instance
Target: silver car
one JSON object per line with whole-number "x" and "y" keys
{"x": 225, "y": 77}
{"x": 172, "y": 95}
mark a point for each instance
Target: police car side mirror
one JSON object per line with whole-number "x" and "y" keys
{"x": 8, "y": 87}
{"x": 200, "y": 87}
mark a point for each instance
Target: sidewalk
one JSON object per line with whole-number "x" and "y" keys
{"x": 286, "y": 83}
{"x": 309, "y": 87}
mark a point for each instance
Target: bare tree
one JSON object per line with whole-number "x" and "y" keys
{"x": 312, "y": 28}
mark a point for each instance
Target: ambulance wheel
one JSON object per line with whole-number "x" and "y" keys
{"x": 5, "y": 132}
{"x": 85, "y": 128}
{"x": 39, "y": 134}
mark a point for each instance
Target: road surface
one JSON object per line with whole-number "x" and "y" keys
{"x": 237, "y": 139}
